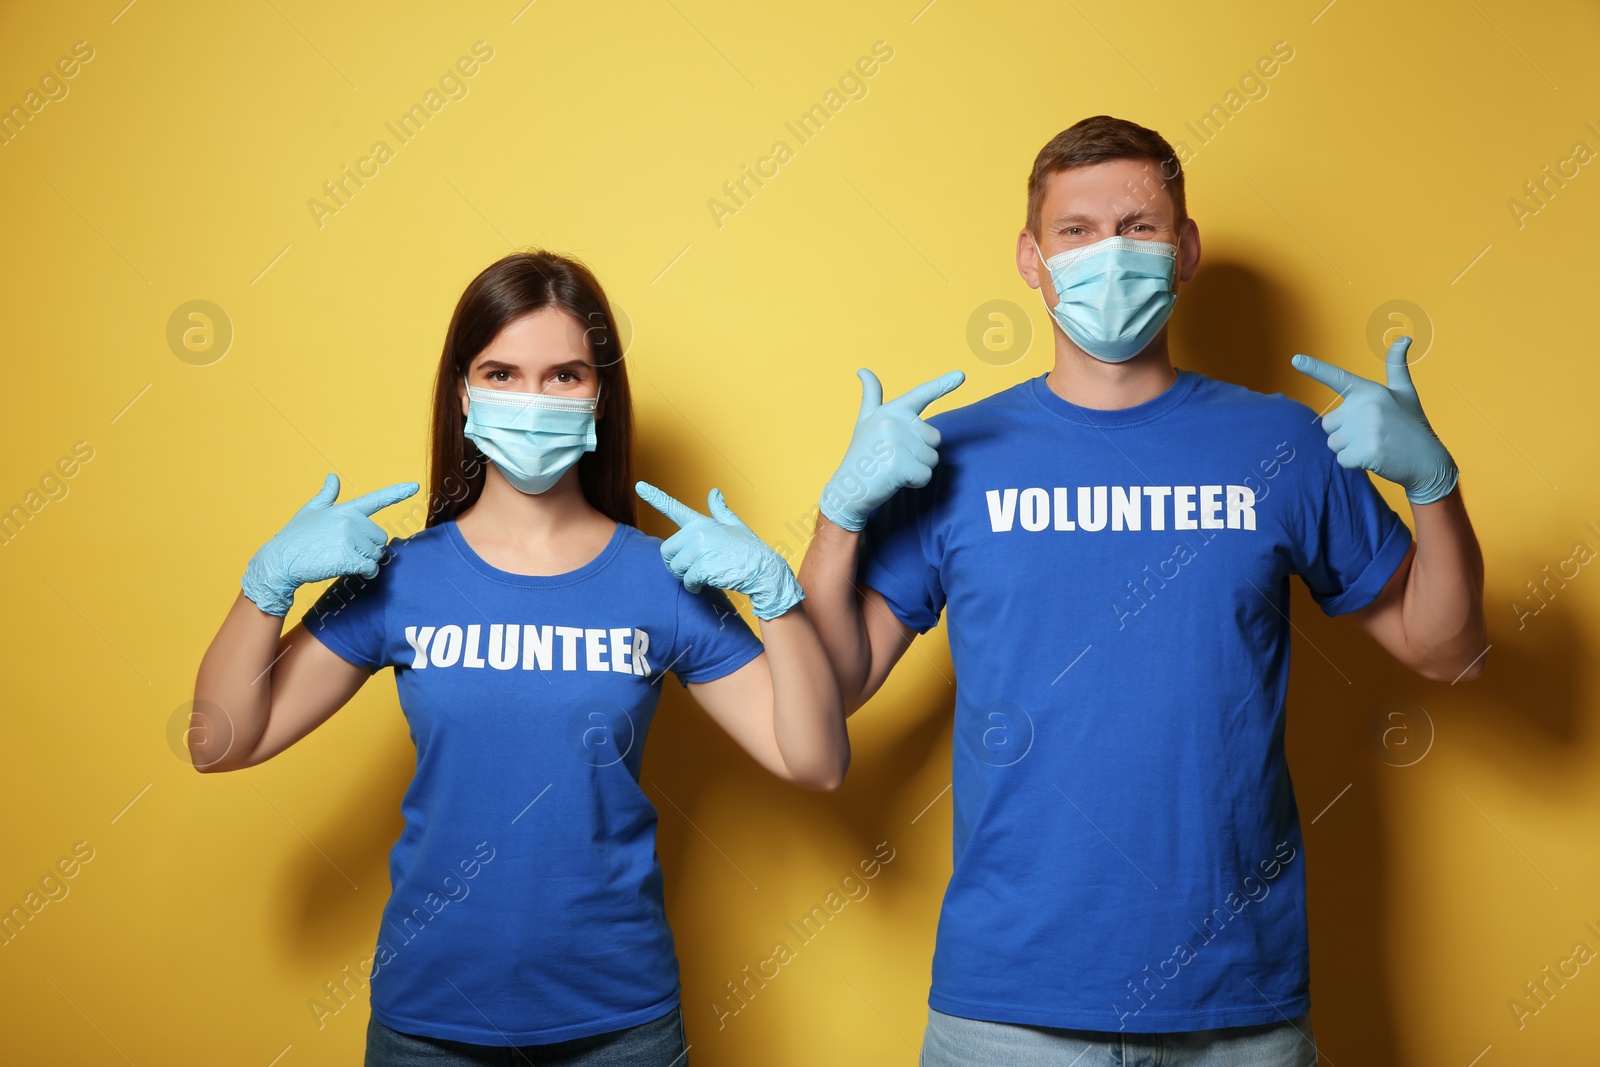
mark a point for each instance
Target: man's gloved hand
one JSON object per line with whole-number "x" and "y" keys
{"x": 323, "y": 540}
{"x": 892, "y": 448}
{"x": 1382, "y": 429}
{"x": 719, "y": 550}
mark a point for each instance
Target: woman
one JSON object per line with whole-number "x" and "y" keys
{"x": 529, "y": 625}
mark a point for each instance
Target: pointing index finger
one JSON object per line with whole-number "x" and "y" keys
{"x": 920, "y": 397}
{"x": 676, "y": 510}
{"x": 1339, "y": 380}
{"x": 379, "y": 499}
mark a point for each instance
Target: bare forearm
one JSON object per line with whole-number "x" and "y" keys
{"x": 807, "y": 714}
{"x": 1443, "y": 605}
{"x": 827, "y": 574}
{"x": 233, "y": 690}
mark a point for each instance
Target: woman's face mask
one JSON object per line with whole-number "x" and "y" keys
{"x": 532, "y": 438}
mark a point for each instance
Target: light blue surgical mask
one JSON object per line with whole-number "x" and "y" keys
{"x": 1114, "y": 295}
{"x": 532, "y": 438}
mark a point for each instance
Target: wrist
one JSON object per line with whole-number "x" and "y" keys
{"x": 833, "y": 508}
{"x": 259, "y": 586}
{"x": 1436, "y": 488}
{"x": 780, "y": 592}
{"x": 269, "y": 601}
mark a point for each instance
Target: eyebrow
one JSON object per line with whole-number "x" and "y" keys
{"x": 496, "y": 364}
{"x": 1136, "y": 215}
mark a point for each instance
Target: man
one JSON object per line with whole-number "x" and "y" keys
{"x": 1114, "y": 542}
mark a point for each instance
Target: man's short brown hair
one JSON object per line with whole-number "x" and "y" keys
{"x": 1097, "y": 139}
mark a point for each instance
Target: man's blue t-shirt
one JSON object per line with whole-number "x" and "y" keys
{"x": 527, "y": 901}
{"x": 1127, "y": 845}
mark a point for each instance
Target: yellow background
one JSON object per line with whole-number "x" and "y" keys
{"x": 1377, "y": 167}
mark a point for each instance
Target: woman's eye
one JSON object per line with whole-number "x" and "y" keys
{"x": 493, "y": 373}
{"x": 566, "y": 376}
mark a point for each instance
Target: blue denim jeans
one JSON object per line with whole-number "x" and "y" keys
{"x": 658, "y": 1043}
{"x": 952, "y": 1041}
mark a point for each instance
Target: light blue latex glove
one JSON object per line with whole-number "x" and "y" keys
{"x": 891, "y": 449}
{"x": 719, "y": 550}
{"x": 323, "y": 540}
{"x": 1382, "y": 429}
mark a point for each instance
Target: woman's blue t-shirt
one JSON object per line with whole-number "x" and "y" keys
{"x": 526, "y": 901}
{"x": 1127, "y": 845}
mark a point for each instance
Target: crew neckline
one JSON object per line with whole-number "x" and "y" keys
{"x": 1116, "y": 418}
{"x": 536, "y": 581}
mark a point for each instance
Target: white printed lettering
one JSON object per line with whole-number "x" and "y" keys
{"x": 503, "y": 646}
{"x": 641, "y": 645}
{"x": 1035, "y": 510}
{"x": 447, "y": 646}
{"x": 1183, "y": 507}
{"x": 569, "y": 647}
{"x": 1091, "y": 516}
{"x": 1241, "y": 507}
{"x": 1002, "y": 507}
{"x": 536, "y": 645}
{"x": 620, "y": 641}
{"x": 418, "y": 638}
{"x": 1157, "y": 495}
{"x": 1125, "y": 507}
{"x": 594, "y": 642}
{"x": 1063, "y": 522}
{"x": 1210, "y": 505}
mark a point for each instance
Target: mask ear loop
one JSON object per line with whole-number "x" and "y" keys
{"x": 1042, "y": 261}
{"x": 1177, "y": 253}
{"x": 1045, "y": 265}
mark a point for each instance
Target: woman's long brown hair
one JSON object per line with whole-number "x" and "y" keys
{"x": 517, "y": 285}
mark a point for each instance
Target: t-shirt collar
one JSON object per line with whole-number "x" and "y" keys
{"x": 1116, "y": 418}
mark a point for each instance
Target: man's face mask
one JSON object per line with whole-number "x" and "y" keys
{"x": 1114, "y": 295}
{"x": 532, "y": 438}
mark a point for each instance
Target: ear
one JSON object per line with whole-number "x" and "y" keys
{"x": 1028, "y": 264}
{"x": 1031, "y": 267}
{"x": 1189, "y": 250}
{"x": 461, "y": 393}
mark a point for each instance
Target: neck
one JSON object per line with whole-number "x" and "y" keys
{"x": 1080, "y": 379}
{"x": 509, "y": 515}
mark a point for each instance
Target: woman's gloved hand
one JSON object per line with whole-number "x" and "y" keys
{"x": 323, "y": 540}
{"x": 719, "y": 550}
{"x": 892, "y": 448}
{"x": 1382, "y": 428}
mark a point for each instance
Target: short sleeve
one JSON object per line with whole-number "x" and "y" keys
{"x": 1351, "y": 541}
{"x": 899, "y": 559}
{"x": 349, "y": 618}
{"x": 713, "y": 640}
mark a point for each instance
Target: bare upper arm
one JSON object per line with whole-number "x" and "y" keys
{"x": 1384, "y": 618}
{"x": 887, "y": 640}
{"x": 309, "y": 683}
{"x": 741, "y": 703}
